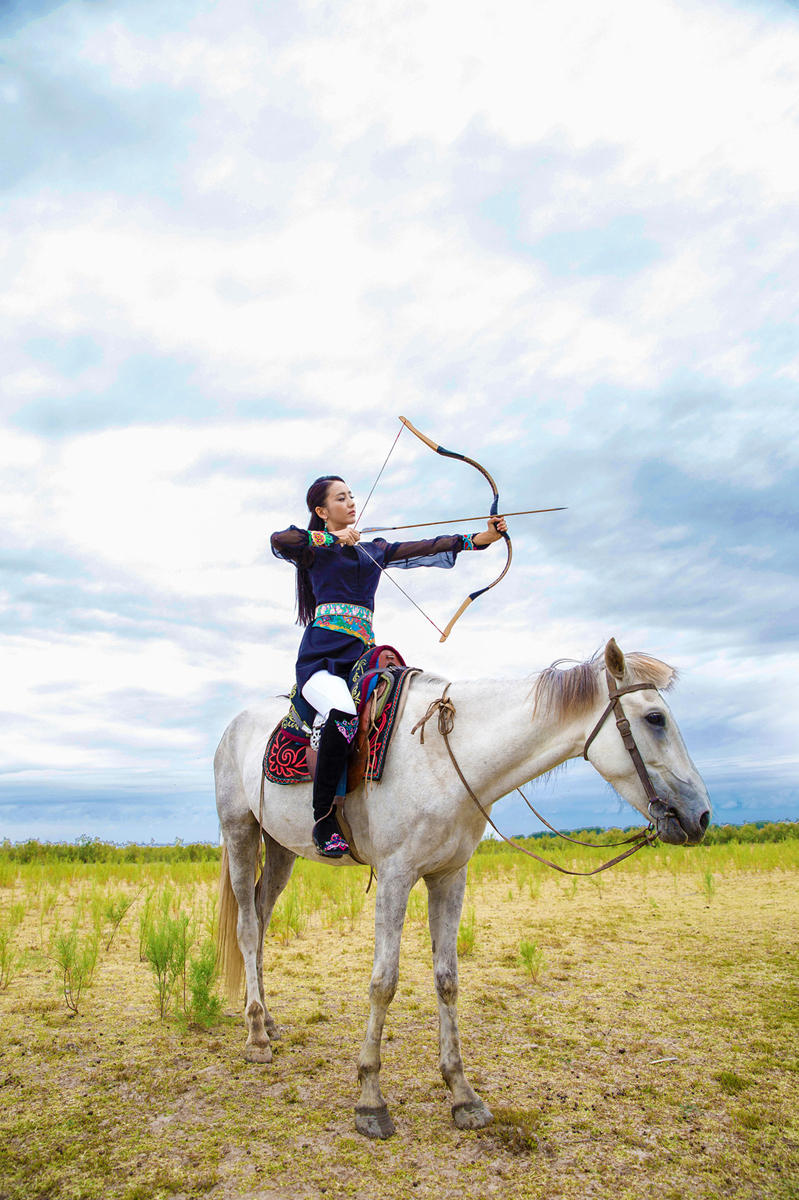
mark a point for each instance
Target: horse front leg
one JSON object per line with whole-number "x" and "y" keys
{"x": 445, "y": 901}
{"x": 372, "y": 1117}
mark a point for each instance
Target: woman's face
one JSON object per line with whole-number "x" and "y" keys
{"x": 338, "y": 510}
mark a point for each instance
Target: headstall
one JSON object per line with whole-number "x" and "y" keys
{"x": 655, "y": 805}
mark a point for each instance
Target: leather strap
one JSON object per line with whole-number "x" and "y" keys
{"x": 446, "y": 721}
{"x": 623, "y": 725}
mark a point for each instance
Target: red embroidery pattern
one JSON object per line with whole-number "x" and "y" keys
{"x": 285, "y": 759}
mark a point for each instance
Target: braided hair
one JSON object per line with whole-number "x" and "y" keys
{"x": 315, "y": 498}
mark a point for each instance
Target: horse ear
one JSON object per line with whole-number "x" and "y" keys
{"x": 614, "y": 659}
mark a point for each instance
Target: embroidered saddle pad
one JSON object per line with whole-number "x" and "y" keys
{"x": 377, "y": 683}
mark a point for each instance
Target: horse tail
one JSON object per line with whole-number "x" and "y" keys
{"x": 228, "y": 956}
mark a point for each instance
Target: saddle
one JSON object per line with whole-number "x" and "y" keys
{"x": 377, "y": 684}
{"x": 376, "y": 687}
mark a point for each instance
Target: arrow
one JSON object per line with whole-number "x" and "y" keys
{"x": 459, "y": 520}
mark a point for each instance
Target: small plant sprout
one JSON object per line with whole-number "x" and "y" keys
{"x": 10, "y": 957}
{"x": 115, "y": 909}
{"x": 532, "y": 958}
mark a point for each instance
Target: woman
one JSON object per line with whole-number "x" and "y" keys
{"x": 337, "y": 577}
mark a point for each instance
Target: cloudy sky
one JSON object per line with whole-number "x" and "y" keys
{"x": 239, "y": 238}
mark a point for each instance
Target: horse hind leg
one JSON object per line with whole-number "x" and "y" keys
{"x": 242, "y": 838}
{"x": 445, "y": 902}
{"x": 278, "y": 865}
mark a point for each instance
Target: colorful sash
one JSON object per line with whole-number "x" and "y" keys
{"x": 346, "y": 618}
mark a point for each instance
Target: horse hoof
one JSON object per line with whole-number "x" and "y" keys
{"x": 472, "y": 1114}
{"x": 258, "y": 1054}
{"x": 374, "y": 1122}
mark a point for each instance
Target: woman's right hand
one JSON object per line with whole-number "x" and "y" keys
{"x": 349, "y": 536}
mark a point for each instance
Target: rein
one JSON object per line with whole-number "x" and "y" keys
{"x": 643, "y": 837}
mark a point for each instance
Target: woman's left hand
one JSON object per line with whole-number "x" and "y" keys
{"x": 493, "y": 532}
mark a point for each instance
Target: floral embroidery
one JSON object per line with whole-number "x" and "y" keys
{"x": 468, "y": 541}
{"x": 320, "y": 537}
{"x": 346, "y": 618}
{"x": 348, "y": 729}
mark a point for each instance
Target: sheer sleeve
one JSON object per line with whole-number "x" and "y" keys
{"x": 431, "y": 552}
{"x": 290, "y": 544}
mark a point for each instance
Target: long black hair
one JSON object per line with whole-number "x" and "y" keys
{"x": 315, "y": 498}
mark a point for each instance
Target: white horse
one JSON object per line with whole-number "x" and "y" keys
{"x": 420, "y": 823}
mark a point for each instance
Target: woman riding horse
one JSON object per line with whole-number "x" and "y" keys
{"x": 337, "y": 577}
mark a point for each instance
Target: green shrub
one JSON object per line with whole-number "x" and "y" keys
{"x": 204, "y": 1006}
{"x": 76, "y": 955}
{"x": 167, "y": 940}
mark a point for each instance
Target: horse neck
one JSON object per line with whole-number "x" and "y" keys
{"x": 500, "y": 743}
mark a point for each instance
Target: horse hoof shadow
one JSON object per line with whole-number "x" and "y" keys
{"x": 472, "y": 1114}
{"x": 374, "y": 1122}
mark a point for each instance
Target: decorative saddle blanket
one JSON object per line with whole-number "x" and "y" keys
{"x": 377, "y": 684}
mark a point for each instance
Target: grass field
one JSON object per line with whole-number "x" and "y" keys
{"x": 635, "y": 1034}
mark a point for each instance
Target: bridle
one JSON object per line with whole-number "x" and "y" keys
{"x": 655, "y": 806}
{"x": 623, "y": 726}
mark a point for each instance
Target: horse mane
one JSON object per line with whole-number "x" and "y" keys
{"x": 576, "y": 690}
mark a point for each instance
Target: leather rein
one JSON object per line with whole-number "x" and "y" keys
{"x": 643, "y": 837}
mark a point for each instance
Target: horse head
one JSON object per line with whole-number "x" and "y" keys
{"x": 645, "y": 758}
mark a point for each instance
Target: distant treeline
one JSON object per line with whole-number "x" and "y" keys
{"x": 717, "y": 835}
{"x": 93, "y": 850}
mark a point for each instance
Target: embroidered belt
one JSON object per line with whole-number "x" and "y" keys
{"x": 346, "y": 618}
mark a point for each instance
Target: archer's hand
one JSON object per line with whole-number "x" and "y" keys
{"x": 349, "y": 536}
{"x": 493, "y": 532}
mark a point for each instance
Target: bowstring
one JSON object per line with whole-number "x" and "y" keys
{"x": 382, "y": 569}
{"x": 379, "y": 473}
{"x": 358, "y": 546}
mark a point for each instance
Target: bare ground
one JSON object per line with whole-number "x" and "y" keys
{"x": 655, "y": 1054}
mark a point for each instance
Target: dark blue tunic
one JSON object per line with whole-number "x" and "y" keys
{"x": 350, "y": 575}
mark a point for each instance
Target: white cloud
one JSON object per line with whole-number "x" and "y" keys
{"x": 560, "y": 242}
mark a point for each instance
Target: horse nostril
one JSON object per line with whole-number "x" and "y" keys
{"x": 704, "y": 820}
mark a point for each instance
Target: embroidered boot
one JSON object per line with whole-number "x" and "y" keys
{"x": 334, "y": 748}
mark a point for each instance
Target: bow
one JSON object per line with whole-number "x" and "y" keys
{"x": 445, "y": 632}
{"x": 493, "y": 511}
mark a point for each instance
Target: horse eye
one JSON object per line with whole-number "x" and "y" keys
{"x": 656, "y": 718}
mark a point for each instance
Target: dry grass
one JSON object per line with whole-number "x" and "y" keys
{"x": 655, "y": 1053}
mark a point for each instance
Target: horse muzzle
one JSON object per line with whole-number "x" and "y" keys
{"x": 678, "y": 828}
